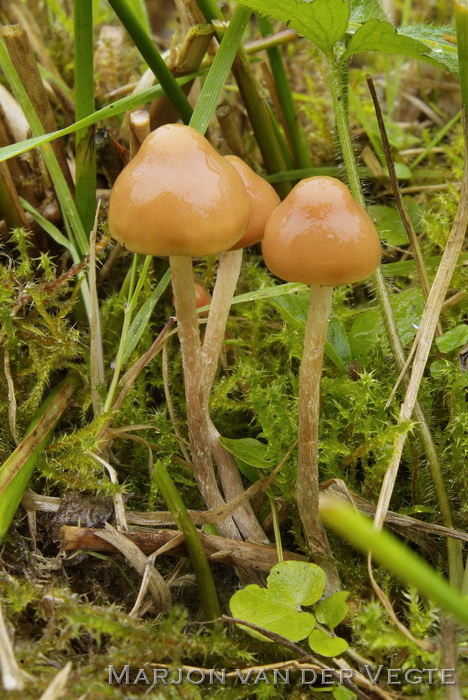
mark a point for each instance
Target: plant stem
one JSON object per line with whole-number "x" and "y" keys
{"x": 461, "y": 19}
{"x": 189, "y": 337}
{"x": 145, "y": 45}
{"x": 455, "y": 563}
{"x": 206, "y": 586}
{"x": 309, "y": 406}
{"x": 295, "y": 131}
{"x": 85, "y": 177}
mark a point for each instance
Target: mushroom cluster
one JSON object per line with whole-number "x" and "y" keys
{"x": 179, "y": 198}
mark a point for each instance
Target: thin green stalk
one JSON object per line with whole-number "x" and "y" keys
{"x": 393, "y": 555}
{"x": 461, "y": 19}
{"x": 437, "y": 138}
{"x": 206, "y": 586}
{"x": 219, "y": 70}
{"x": 148, "y": 50}
{"x": 85, "y": 173}
{"x": 296, "y": 134}
{"x": 133, "y": 294}
{"x": 16, "y": 471}
{"x": 453, "y": 547}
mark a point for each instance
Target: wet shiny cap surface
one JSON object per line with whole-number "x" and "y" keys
{"x": 263, "y": 200}
{"x": 320, "y": 235}
{"x": 178, "y": 196}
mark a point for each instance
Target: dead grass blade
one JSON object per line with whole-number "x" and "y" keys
{"x": 58, "y": 686}
{"x": 156, "y": 584}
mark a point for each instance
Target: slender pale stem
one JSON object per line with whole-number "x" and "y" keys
{"x": 231, "y": 480}
{"x": 309, "y": 408}
{"x": 197, "y": 415}
{"x": 226, "y": 280}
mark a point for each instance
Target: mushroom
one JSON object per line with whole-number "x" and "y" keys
{"x": 321, "y": 236}
{"x": 179, "y": 198}
{"x": 263, "y": 200}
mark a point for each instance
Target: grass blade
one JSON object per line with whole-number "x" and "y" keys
{"x": 393, "y": 555}
{"x": 16, "y": 471}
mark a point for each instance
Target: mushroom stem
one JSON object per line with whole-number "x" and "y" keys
{"x": 231, "y": 481}
{"x": 189, "y": 336}
{"x": 226, "y": 280}
{"x": 309, "y": 409}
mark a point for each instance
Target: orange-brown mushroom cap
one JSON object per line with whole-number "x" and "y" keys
{"x": 320, "y": 235}
{"x": 263, "y": 200}
{"x": 202, "y": 297}
{"x": 178, "y": 196}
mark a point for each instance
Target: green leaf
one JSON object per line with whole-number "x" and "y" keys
{"x": 303, "y": 581}
{"x": 364, "y": 10}
{"x": 376, "y": 35}
{"x": 273, "y": 610}
{"x": 249, "y": 450}
{"x": 453, "y": 339}
{"x": 389, "y": 224}
{"x": 442, "y": 53}
{"x": 324, "y": 645}
{"x": 324, "y": 22}
{"x": 332, "y": 610}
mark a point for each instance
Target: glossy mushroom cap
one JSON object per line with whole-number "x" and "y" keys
{"x": 320, "y": 235}
{"x": 178, "y": 196}
{"x": 263, "y": 200}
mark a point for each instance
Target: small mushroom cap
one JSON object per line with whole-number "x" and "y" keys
{"x": 202, "y": 297}
{"x": 178, "y": 196}
{"x": 263, "y": 200}
{"x": 320, "y": 235}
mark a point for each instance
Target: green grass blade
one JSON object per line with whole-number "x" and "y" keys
{"x": 112, "y": 110}
{"x": 63, "y": 193}
{"x": 394, "y": 556}
{"x": 16, "y": 471}
{"x": 148, "y": 50}
{"x": 141, "y": 320}
{"x": 50, "y": 228}
{"x": 296, "y": 133}
{"x": 85, "y": 158}
{"x": 219, "y": 70}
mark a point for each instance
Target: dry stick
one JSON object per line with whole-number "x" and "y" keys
{"x": 309, "y": 406}
{"x": 426, "y": 334}
{"x": 231, "y": 481}
{"x": 402, "y": 210}
{"x": 12, "y": 675}
{"x": 22, "y": 56}
{"x": 189, "y": 336}
{"x": 139, "y": 129}
{"x": 455, "y": 561}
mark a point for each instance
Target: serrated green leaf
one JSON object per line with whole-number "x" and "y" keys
{"x": 324, "y": 22}
{"x": 376, "y": 35}
{"x": 442, "y": 53}
{"x": 274, "y": 611}
{"x": 453, "y": 339}
{"x": 364, "y": 10}
{"x": 248, "y": 450}
{"x": 324, "y": 645}
{"x": 303, "y": 581}
{"x": 332, "y": 610}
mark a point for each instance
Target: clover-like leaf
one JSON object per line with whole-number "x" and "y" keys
{"x": 453, "y": 339}
{"x": 275, "y": 611}
{"x": 303, "y": 581}
{"x": 325, "y": 645}
{"x": 332, "y": 610}
{"x": 324, "y": 22}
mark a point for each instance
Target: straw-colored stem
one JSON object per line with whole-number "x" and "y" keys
{"x": 230, "y": 478}
{"x": 309, "y": 409}
{"x": 197, "y": 414}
